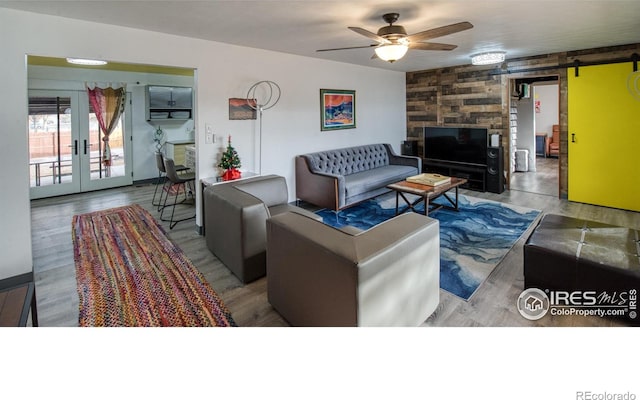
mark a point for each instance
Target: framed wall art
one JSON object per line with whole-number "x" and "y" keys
{"x": 242, "y": 108}
{"x": 337, "y": 109}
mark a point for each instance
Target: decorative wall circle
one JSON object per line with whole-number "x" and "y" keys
{"x": 265, "y": 93}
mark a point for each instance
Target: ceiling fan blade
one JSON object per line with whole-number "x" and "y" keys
{"x": 432, "y": 46}
{"x": 441, "y": 31}
{"x": 349, "y": 48}
{"x": 369, "y": 34}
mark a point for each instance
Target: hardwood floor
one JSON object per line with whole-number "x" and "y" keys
{"x": 543, "y": 181}
{"x": 55, "y": 271}
{"x": 492, "y": 305}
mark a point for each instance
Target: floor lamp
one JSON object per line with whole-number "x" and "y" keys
{"x": 262, "y": 96}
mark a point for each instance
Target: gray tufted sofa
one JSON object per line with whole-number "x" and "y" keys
{"x": 339, "y": 178}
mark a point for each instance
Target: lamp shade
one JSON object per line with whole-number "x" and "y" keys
{"x": 492, "y": 57}
{"x": 391, "y": 52}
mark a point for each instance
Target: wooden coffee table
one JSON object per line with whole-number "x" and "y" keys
{"x": 427, "y": 193}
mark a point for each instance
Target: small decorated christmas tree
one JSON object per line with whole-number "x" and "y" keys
{"x": 230, "y": 162}
{"x": 230, "y": 157}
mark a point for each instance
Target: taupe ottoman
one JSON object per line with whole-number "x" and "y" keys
{"x": 569, "y": 254}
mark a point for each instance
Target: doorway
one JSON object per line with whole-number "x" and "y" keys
{"x": 534, "y": 115}
{"x": 66, "y": 146}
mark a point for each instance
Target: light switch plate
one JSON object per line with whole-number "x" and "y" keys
{"x": 208, "y": 134}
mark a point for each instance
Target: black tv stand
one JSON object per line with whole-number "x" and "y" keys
{"x": 474, "y": 174}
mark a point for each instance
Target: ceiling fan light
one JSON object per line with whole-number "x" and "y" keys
{"x": 492, "y": 57}
{"x": 85, "y": 61}
{"x": 391, "y": 52}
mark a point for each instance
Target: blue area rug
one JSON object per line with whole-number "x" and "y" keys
{"x": 473, "y": 240}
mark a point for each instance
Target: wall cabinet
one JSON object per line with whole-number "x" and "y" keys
{"x": 169, "y": 103}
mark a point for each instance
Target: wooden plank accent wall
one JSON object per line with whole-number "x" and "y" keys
{"x": 479, "y": 96}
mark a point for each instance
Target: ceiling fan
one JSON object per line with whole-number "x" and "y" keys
{"x": 392, "y": 42}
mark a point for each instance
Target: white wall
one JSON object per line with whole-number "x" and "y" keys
{"x": 222, "y": 71}
{"x": 526, "y": 134}
{"x": 549, "y": 114}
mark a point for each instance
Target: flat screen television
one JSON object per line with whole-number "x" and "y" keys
{"x": 461, "y": 145}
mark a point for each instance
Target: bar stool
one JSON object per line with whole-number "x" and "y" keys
{"x": 162, "y": 178}
{"x": 177, "y": 182}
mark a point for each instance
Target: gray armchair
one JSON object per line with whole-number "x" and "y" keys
{"x": 235, "y": 221}
{"x": 388, "y": 275}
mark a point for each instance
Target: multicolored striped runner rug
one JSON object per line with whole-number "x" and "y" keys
{"x": 130, "y": 274}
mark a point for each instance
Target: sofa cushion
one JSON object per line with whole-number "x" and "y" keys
{"x": 349, "y": 160}
{"x": 366, "y": 181}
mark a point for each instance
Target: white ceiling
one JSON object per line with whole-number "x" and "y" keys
{"x": 519, "y": 27}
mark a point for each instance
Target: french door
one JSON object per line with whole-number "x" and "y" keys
{"x": 66, "y": 146}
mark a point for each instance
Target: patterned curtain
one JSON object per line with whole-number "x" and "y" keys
{"x": 108, "y": 105}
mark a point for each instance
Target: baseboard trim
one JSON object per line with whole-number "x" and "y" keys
{"x": 145, "y": 181}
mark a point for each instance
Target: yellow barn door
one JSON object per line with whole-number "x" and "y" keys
{"x": 604, "y": 136}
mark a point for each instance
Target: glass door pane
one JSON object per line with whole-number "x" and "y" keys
{"x": 53, "y": 145}
{"x": 49, "y": 140}
{"x": 99, "y": 168}
{"x": 96, "y": 173}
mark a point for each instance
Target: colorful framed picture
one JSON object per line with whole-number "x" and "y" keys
{"x": 242, "y": 108}
{"x": 337, "y": 109}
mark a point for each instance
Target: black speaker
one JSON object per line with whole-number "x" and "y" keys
{"x": 409, "y": 148}
{"x": 495, "y": 170}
